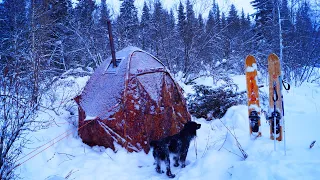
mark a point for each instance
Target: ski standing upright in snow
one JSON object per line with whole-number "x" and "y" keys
{"x": 253, "y": 97}
{"x": 275, "y": 98}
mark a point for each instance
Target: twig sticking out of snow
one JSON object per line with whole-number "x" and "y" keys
{"x": 224, "y": 141}
{"x": 312, "y": 144}
{"x": 207, "y": 146}
{"x": 245, "y": 155}
{"x": 70, "y": 173}
{"x": 195, "y": 147}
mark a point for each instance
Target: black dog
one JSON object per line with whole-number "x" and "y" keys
{"x": 177, "y": 144}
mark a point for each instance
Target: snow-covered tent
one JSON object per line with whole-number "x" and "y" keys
{"x": 132, "y": 104}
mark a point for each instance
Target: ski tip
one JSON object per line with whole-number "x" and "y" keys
{"x": 250, "y": 58}
{"x": 273, "y": 56}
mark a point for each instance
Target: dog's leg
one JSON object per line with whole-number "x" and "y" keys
{"x": 176, "y": 161}
{"x": 158, "y": 167}
{"x": 169, "y": 174}
{"x": 183, "y": 157}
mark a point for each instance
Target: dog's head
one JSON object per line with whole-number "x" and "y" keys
{"x": 191, "y": 127}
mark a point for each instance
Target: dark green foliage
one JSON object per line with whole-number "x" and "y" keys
{"x": 128, "y": 24}
{"x": 158, "y": 27}
{"x": 233, "y": 22}
{"x": 13, "y": 34}
{"x": 264, "y": 17}
{"x": 189, "y": 43}
{"x": 104, "y": 14}
{"x": 181, "y": 19}
{"x": 210, "y": 103}
{"x": 145, "y": 30}
{"x": 84, "y": 11}
{"x": 101, "y": 38}
{"x": 266, "y": 29}
{"x": 162, "y": 36}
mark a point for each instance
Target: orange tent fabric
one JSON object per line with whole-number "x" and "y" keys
{"x": 131, "y": 104}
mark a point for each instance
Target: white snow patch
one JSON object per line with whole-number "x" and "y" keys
{"x": 217, "y": 64}
{"x": 90, "y": 118}
{"x": 152, "y": 84}
{"x": 255, "y": 107}
{"x": 252, "y": 68}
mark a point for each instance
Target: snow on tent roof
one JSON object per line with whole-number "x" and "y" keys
{"x": 102, "y": 94}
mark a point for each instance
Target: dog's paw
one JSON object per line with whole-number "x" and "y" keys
{"x": 183, "y": 165}
{"x": 176, "y": 164}
{"x": 170, "y": 175}
{"x": 159, "y": 171}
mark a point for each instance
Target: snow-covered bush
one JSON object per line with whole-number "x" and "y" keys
{"x": 210, "y": 103}
{"x": 19, "y": 103}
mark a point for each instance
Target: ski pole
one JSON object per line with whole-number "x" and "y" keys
{"x": 284, "y": 124}
{"x": 284, "y": 127}
{"x": 275, "y": 98}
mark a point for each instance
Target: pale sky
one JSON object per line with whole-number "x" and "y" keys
{"x": 199, "y": 5}
{"x": 202, "y": 6}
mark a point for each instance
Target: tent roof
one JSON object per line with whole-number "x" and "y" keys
{"x": 102, "y": 94}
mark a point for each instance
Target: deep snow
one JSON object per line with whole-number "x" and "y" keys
{"x": 213, "y": 155}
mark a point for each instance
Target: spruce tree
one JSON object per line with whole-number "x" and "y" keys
{"x": 287, "y": 37}
{"x": 181, "y": 31}
{"x": 128, "y": 24}
{"x": 104, "y": 14}
{"x": 172, "y": 47}
{"x": 200, "y": 22}
{"x": 60, "y": 15}
{"x": 210, "y": 23}
{"x": 214, "y": 21}
{"x": 164, "y": 39}
{"x": 13, "y": 33}
{"x": 266, "y": 28}
{"x": 190, "y": 65}
{"x": 223, "y": 20}
{"x": 233, "y": 38}
{"x": 158, "y": 27}
{"x": 214, "y": 35}
{"x": 84, "y": 13}
{"x": 101, "y": 33}
{"x": 84, "y": 33}
{"x": 190, "y": 24}
{"x": 145, "y": 28}
{"x": 233, "y": 22}
{"x": 181, "y": 19}
{"x": 303, "y": 42}
{"x": 216, "y": 14}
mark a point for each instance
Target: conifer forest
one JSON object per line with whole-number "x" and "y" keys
{"x": 44, "y": 39}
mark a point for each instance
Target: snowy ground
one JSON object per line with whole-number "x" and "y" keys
{"x": 213, "y": 155}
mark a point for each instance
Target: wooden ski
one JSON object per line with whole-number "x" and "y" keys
{"x": 253, "y": 97}
{"x": 275, "y": 112}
